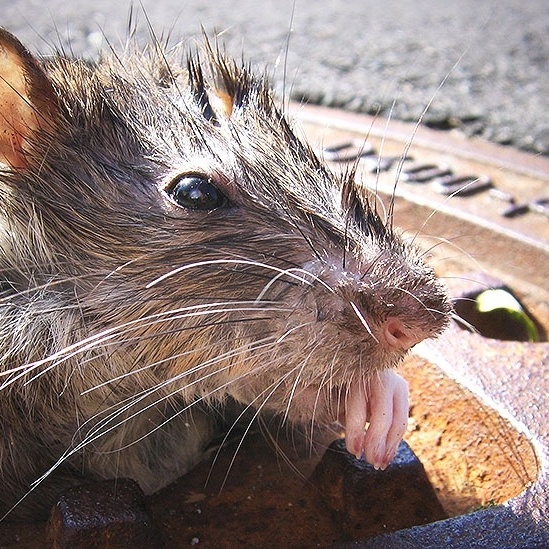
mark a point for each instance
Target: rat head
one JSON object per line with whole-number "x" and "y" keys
{"x": 198, "y": 241}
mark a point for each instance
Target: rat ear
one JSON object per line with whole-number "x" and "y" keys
{"x": 27, "y": 100}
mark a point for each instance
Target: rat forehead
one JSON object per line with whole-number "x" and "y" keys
{"x": 243, "y": 141}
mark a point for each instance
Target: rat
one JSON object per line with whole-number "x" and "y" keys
{"x": 168, "y": 245}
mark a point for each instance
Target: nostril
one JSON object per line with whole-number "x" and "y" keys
{"x": 397, "y": 335}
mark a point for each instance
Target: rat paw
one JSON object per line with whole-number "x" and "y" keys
{"x": 383, "y": 401}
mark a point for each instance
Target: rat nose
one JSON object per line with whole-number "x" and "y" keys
{"x": 398, "y": 336}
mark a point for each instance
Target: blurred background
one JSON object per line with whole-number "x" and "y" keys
{"x": 481, "y": 65}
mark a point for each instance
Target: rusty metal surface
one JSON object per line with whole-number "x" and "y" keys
{"x": 501, "y": 227}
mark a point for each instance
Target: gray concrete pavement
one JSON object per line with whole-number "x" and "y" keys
{"x": 491, "y": 56}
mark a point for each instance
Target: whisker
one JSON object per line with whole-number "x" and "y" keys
{"x": 286, "y": 94}
{"x": 440, "y": 207}
{"x": 109, "y": 334}
{"x": 276, "y": 385}
{"x": 266, "y": 342}
{"x": 306, "y": 238}
{"x": 45, "y": 286}
{"x": 471, "y": 327}
{"x": 417, "y": 300}
{"x": 327, "y": 378}
{"x": 295, "y": 384}
{"x": 270, "y": 438}
{"x": 93, "y": 436}
{"x": 274, "y": 279}
{"x": 178, "y": 270}
{"x": 388, "y": 212}
{"x": 434, "y": 312}
{"x": 363, "y": 321}
{"x": 371, "y": 266}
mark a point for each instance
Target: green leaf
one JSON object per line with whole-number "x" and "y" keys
{"x": 491, "y": 300}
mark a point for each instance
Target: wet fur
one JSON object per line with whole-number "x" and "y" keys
{"x": 126, "y": 321}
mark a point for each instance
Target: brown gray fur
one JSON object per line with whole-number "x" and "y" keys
{"x": 131, "y": 309}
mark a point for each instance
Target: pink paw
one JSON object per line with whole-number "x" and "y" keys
{"x": 383, "y": 401}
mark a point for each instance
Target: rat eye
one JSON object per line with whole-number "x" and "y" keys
{"x": 196, "y": 192}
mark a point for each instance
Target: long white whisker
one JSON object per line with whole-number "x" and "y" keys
{"x": 260, "y": 344}
{"x": 441, "y": 205}
{"x": 423, "y": 113}
{"x": 327, "y": 378}
{"x": 417, "y": 299}
{"x": 134, "y": 399}
{"x": 293, "y": 270}
{"x": 44, "y": 286}
{"x": 105, "y": 336}
{"x": 363, "y": 320}
{"x": 258, "y": 410}
{"x": 92, "y": 436}
{"x": 464, "y": 323}
{"x": 266, "y": 266}
{"x": 297, "y": 379}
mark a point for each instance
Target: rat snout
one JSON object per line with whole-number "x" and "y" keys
{"x": 398, "y": 336}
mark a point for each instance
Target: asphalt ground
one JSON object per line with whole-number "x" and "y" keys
{"x": 481, "y": 66}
